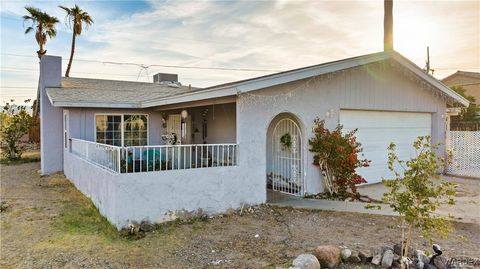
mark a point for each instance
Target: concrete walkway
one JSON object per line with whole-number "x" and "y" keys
{"x": 286, "y": 200}
{"x": 466, "y": 209}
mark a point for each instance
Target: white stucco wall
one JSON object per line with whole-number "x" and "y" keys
{"x": 370, "y": 87}
{"x": 154, "y": 196}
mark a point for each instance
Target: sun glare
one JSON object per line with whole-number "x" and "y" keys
{"x": 412, "y": 35}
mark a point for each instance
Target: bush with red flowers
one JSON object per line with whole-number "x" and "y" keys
{"x": 336, "y": 153}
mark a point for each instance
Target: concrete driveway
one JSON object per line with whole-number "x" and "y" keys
{"x": 467, "y": 207}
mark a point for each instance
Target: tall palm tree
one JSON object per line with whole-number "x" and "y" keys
{"x": 75, "y": 17}
{"x": 43, "y": 25}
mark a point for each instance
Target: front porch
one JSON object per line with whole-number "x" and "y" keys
{"x": 136, "y": 159}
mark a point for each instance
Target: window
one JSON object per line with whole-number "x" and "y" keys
{"x": 122, "y": 130}
{"x": 135, "y": 130}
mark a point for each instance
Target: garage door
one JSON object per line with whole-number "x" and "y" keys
{"x": 377, "y": 129}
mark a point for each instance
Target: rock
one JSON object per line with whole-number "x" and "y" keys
{"x": 146, "y": 226}
{"x": 365, "y": 256}
{"x": 397, "y": 249}
{"x": 383, "y": 249}
{"x": 440, "y": 262}
{"x": 396, "y": 257}
{"x": 328, "y": 256}
{"x": 377, "y": 259}
{"x": 419, "y": 264}
{"x": 387, "y": 258}
{"x": 306, "y": 261}
{"x": 421, "y": 257}
{"x": 437, "y": 249}
{"x": 429, "y": 266}
{"x": 396, "y": 264}
{"x": 345, "y": 253}
{"x": 354, "y": 259}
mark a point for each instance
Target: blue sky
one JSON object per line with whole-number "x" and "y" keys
{"x": 274, "y": 35}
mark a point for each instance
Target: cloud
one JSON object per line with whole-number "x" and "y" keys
{"x": 278, "y": 35}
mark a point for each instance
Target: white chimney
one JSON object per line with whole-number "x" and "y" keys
{"x": 51, "y": 122}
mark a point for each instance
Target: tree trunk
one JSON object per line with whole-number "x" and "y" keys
{"x": 67, "y": 73}
{"x": 40, "y": 51}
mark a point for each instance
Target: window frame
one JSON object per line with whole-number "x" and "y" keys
{"x": 122, "y": 127}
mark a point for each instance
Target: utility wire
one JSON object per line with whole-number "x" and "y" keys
{"x": 156, "y": 65}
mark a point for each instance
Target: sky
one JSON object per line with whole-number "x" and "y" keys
{"x": 267, "y": 36}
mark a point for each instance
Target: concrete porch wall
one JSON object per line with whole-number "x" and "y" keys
{"x": 158, "y": 196}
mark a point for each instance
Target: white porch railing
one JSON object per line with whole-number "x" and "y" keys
{"x": 156, "y": 158}
{"x": 106, "y": 156}
{"x": 175, "y": 157}
{"x": 465, "y": 149}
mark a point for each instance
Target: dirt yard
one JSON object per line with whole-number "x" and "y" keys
{"x": 47, "y": 223}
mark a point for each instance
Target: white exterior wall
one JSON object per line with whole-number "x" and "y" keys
{"x": 221, "y": 120}
{"x": 157, "y": 196}
{"x": 82, "y": 122}
{"x": 365, "y": 88}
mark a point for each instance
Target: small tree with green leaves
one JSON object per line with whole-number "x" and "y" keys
{"x": 15, "y": 123}
{"x": 417, "y": 192}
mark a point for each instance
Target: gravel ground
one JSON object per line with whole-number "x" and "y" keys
{"x": 49, "y": 224}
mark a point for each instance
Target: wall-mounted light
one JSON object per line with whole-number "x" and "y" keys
{"x": 330, "y": 113}
{"x": 184, "y": 114}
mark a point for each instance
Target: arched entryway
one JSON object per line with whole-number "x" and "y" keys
{"x": 285, "y": 156}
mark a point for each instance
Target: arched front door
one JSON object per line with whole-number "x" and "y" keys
{"x": 286, "y": 156}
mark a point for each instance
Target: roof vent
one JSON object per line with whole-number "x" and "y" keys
{"x": 164, "y": 77}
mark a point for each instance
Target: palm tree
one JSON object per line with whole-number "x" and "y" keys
{"x": 76, "y": 17}
{"x": 43, "y": 25}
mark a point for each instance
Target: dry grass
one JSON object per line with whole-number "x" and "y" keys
{"x": 50, "y": 224}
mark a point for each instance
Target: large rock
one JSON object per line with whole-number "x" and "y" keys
{"x": 328, "y": 256}
{"x": 306, "y": 261}
{"x": 429, "y": 266}
{"x": 377, "y": 259}
{"x": 421, "y": 257}
{"x": 365, "y": 256}
{"x": 146, "y": 226}
{"x": 345, "y": 253}
{"x": 387, "y": 258}
{"x": 440, "y": 262}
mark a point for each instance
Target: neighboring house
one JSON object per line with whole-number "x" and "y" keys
{"x": 112, "y": 138}
{"x": 470, "y": 81}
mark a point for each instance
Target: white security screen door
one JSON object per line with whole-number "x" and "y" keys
{"x": 287, "y": 158}
{"x": 376, "y": 129}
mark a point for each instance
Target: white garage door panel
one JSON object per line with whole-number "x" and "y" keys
{"x": 377, "y": 129}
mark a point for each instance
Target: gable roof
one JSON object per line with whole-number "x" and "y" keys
{"x": 234, "y": 88}
{"x": 463, "y": 73}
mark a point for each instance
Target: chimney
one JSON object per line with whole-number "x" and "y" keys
{"x": 388, "y": 26}
{"x": 165, "y": 78}
{"x": 51, "y": 117}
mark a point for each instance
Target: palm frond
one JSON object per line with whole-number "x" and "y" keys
{"x": 28, "y": 30}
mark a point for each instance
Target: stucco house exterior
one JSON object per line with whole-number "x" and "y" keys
{"x": 470, "y": 81}
{"x": 153, "y": 150}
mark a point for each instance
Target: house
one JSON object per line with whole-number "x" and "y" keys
{"x": 470, "y": 81}
{"x": 155, "y": 150}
